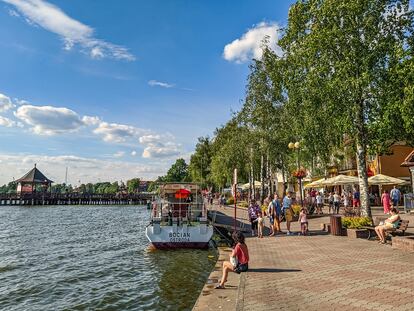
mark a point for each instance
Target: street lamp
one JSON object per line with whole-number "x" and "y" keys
{"x": 296, "y": 146}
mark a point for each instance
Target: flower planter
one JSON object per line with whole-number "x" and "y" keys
{"x": 357, "y": 233}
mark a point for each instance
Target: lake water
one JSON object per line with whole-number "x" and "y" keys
{"x": 92, "y": 258}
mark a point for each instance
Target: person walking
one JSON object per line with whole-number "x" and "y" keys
{"x": 345, "y": 199}
{"x": 395, "y": 196}
{"x": 386, "y": 201}
{"x": 319, "y": 203}
{"x": 286, "y": 211}
{"x": 253, "y": 212}
{"x": 337, "y": 202}
{"x": 276, "y": 213}
{"x": 331, "y": 202}
{"x": 356, "y": 201}
{"x": 303, "y": 221}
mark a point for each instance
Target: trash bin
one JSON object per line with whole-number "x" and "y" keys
{"x": 336, "y": 225}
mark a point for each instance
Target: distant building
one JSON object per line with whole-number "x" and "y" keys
{"x": 32, "y": 182}
{"x": 143, "y": 186}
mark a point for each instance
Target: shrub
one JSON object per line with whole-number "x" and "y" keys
{"x": 296, "y": 209}
{"x": 243, "y": 204}
{"x": 356, "y": 222}
{"x": 230, "y": 201}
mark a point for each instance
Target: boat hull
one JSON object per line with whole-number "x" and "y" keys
{"x": 173, "y": 237}
{"x": 176, "y": 245}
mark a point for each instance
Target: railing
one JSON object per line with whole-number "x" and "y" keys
{"x": 73, "y": 196}
{"x": 182, "y": 211}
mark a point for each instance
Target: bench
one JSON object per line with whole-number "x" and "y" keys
{"x": 399, "y": 230}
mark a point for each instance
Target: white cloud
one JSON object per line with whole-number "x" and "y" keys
{"x": 119, "y": 154}
{"x": 249, "y": 45}
{"x": 72, "y": 31}
{"x": 80, "y": 168}
{"x": 159, "y": 146}
{"x": 48, "y": 120}
{"x": 161, "y": 84}
{"x": 133, "y": 153}
{"x": 88, "y": 120}
{"x": 118, "y": 133}
{"x": 6, "y": 122}
{"x": 5, "y": 103}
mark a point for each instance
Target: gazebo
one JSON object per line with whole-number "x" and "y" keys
{"x": 27, "y": 183}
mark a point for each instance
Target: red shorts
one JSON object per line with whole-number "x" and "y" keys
{"x": 356, "y": 203}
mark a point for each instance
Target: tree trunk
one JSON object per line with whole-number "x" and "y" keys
{"x": 251, "y": 180}
{"x": 361, "y": 155}
{"x": 262, "y": 178}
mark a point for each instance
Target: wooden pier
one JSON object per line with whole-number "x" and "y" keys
{"x": 74, "y": 199}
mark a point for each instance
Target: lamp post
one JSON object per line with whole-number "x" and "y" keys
{"x": 296, "y": 146}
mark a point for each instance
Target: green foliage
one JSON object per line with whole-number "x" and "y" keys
{"x": 356, "y": 222}
{"x": 200, "y": 162}
{"x": 230, "y": 201}
{"x": 133, "y": 185}
{"x": 178, "y": 172}
{"x": 9, "y": 188}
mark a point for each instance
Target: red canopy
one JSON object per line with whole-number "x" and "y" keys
{"x": 182, "y": 194}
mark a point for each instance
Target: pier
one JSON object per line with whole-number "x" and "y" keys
{"x": 316, "y": 272}
{"x": 74, "y": 199}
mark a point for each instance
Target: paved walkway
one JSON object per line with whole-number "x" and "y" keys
{"x": 317, "y": 272}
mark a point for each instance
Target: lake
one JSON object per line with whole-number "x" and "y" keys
{"x": 93, "y": 258}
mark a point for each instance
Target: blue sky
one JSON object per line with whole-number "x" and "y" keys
{"x": 120, "y": 89}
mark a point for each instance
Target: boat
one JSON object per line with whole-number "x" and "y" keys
{"x": 179, "y": 218}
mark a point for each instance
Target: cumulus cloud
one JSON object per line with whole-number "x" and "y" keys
{"x": 159, "y": 146}
{"x": 161, "y": 84}
{"x": 6, "y": 122}
{"x": 48, "y": 120}
{"x": 249, "y": 45}
{"x": 5, "y": 103}
{"x": 88, "y": 120}
{"x": 72, "y": 31}
{"x": 133, "y": 153}
{"x": 117, "y": 133}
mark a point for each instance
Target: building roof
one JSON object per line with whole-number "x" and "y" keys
{"x": 409, "y": 160}
{"x": 34, "y": 176}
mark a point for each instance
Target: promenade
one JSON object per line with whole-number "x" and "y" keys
{"x": 316, "y": 272}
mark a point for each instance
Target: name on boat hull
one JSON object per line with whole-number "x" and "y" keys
{"x": 179, "y": 237}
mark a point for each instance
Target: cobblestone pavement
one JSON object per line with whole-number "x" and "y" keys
{"x": 324, "y": 272}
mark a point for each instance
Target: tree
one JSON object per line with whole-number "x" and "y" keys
{"x": 133, "y": 185}
{"x": 200, "y": 162}
{"x": 178, "y": 172}
{"x": 342, "y": 56}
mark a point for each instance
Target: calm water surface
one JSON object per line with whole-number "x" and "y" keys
{"x": 92, "y": 258}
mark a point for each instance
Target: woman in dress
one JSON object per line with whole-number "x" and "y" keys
{"x": 386, "y": 201}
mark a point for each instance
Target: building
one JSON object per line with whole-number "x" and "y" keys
{"x": 33, "y": 182}
{"x": 409, "y": 163}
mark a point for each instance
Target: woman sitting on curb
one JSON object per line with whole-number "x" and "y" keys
{"x": 241, "y": 255}
{"x": 389, "y": 223}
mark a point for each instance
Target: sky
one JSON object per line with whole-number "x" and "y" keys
{"x": 114, "y": 90}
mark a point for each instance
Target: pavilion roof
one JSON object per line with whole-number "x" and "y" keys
{"x": 34, "y": 176}
{"x": 409, "y": 160}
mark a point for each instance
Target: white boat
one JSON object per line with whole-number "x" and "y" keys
{"x": 179, "y": 218}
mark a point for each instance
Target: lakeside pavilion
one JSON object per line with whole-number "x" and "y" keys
{"x": 29, "y": 182}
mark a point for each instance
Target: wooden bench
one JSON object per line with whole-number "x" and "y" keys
{"x": 399, "y": 230}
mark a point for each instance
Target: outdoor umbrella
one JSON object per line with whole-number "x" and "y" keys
{"x": 316, "y": 184}
{"x": 182, "y": 194}
{"x": 341, "y": 180}
{"x": 257, "y": 184}
{"x": 381, "y": 179}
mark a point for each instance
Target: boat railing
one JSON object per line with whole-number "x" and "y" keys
{"x": 181, "y": 212}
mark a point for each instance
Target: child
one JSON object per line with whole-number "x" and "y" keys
{"x": 303, "y": 220}
{"x": 260, "y": 225}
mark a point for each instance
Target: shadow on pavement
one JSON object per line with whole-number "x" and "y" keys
{"x": 273, "y": 270}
